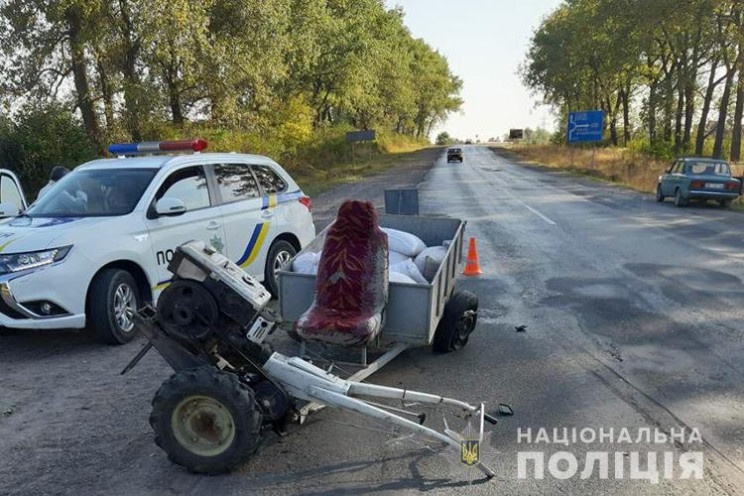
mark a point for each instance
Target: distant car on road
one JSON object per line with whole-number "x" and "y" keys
{"x": 698, "y": 179}
{"x": 469, "y": 142}
{"x": 454, "y": 154}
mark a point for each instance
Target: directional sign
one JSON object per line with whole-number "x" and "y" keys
{"x": 516, "y": 134}
{"x": 585, "y": 126}
{"x": 353, "y": 136}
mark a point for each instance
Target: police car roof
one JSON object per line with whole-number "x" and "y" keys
{"x": 161, "y": 161}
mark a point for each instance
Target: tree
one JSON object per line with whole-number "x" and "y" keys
{"x": 444, "y": 138}
{"x": 44, "y": 43}
{"x": 677, "y": 58}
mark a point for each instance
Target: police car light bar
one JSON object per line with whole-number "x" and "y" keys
{"x": 196, "y": 145}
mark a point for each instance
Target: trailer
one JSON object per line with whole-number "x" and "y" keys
{"x": 417, "y": 315}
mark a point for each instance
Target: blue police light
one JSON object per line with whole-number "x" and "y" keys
{"x": 195, "y": 145}
{"x": 123, "y": 148}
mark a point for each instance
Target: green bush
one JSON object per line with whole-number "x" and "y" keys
{"x": 43, "y": 136}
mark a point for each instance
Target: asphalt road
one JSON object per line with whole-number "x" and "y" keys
{"x": 632, "y": 311}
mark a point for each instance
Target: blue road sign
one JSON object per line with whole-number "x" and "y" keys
{"x": 353, "y": 136}
{"x": 585, "y": 126}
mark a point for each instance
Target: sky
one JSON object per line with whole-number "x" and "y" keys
{"x": 484, "y": 41}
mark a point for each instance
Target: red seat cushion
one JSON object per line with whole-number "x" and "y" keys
{"x": 352, "y": 283}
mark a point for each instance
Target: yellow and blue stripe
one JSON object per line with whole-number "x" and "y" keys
{"x": 259, "y": 232}
{"x": 162, "y": 285}
{"x": 272, "y": 201}
{"x": 254, "y": 245}
{"x": 249, "y": 256}
{"x": 5, "y": 245}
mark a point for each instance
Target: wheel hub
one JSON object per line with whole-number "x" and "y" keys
{"x": 464, "y": 328}
{"x": 203, "y": 425}
{"x": 124, "y": 307}
{"x": 281, "y": 261}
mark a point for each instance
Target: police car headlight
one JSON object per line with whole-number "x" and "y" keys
{"x": 15, "y": 262}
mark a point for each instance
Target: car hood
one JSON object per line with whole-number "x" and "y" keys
{"x": 23, "y": 234}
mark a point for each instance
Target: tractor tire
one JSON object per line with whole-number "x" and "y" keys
{"x": 206, "y": 420}
{"x": 458, "y": 322}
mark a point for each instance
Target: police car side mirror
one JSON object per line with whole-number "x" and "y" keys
{"x": 8, "y": 209}
{"x": 170, "y": 207}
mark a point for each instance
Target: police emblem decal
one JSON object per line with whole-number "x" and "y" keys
{"x": 470, "y": 451}
{"x": 216, "y": 243}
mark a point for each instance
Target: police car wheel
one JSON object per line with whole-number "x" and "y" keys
{"x": 113, "y": 301}
{"x": 280, "y": 255}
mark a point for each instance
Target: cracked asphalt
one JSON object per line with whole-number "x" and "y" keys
{"x": 633, "y": 321}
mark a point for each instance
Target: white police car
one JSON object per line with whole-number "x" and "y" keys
{"x": 97, "y": 245}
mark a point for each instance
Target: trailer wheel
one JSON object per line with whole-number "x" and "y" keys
{"x": 458, "y": 322}
{"x": 206, "y": 420}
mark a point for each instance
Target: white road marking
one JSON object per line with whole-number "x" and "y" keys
{"x": 534, "y": 211}
{"x": 478, "y": 167}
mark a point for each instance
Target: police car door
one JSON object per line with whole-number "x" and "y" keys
{"x": 200, "y": 221}
{"x": 247, "y": 227}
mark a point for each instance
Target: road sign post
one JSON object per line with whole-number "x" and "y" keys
{"x": 354, "y": 137}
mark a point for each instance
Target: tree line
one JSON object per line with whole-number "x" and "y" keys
{"x": 126, "y": 67}
{"x": 668, "y": 73}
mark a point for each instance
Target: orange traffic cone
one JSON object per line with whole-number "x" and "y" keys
{"x": 472, "y": 268}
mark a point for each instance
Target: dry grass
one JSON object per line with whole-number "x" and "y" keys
{"x": 618, "y": 165}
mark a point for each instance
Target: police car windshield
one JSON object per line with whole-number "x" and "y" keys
{"x": 94, "y": 193}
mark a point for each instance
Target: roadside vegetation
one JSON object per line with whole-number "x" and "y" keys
{"x": 630, "y": 168}
{"x": 668, "y": 74}
{"x": 618, "y": 165}
{"x": 284, "y": 78}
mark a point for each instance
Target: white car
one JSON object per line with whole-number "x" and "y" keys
{"x": 97, "y": 246}
{"x": 12, "y": 199}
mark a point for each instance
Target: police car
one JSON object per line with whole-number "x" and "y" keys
{"x": 96, "y": 247}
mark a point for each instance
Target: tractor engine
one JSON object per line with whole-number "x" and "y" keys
{"x": 213, "y": 313}
{"x": 211, "y": 303}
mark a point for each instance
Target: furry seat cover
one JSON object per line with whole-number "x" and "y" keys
{"x": 352, "y": 283}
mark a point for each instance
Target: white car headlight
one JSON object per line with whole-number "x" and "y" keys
{"x": 15, "y": 262}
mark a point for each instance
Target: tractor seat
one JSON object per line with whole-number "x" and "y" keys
{"x": 351, "y": 288}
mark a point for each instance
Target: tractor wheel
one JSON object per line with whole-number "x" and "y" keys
{"x": 458, "y": 322}
{"x": 206, "y": 420}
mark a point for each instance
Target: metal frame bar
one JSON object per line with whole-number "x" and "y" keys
{"x": 359, "y": 376}
{"x": 304, "y": 380}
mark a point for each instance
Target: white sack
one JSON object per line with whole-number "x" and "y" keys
{"x": 396, "y": 258}
{"x": 306, "y": 263}
{"x": 403, "y": 242}
{"x": 435, "y": 253}
{"x": 409, "y": 268}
